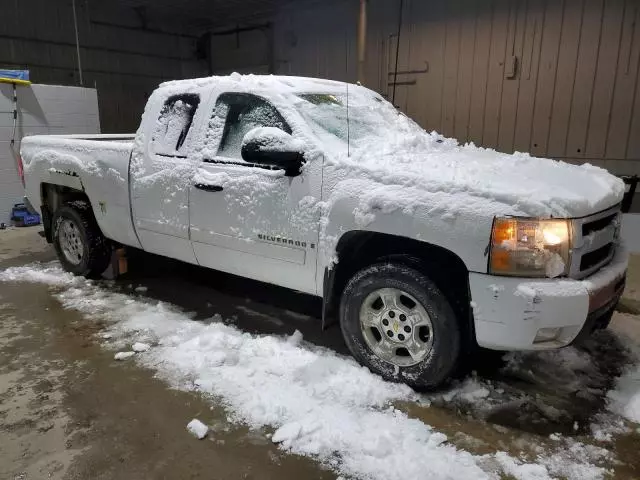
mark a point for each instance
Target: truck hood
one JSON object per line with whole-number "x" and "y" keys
{"x": 516, "y": 184}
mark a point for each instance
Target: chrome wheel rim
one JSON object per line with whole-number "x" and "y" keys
{"x": 70, "y": 241}
{"x": 396, "y": 327}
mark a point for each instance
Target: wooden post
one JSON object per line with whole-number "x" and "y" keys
{"x": 362, "y": 40}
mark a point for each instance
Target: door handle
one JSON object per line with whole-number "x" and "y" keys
{"x": 208, "y": 188}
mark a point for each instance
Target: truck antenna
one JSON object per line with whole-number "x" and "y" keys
{"x": 348, "y": 139}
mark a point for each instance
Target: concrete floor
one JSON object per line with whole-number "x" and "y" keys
{"x": 67, "y": 410}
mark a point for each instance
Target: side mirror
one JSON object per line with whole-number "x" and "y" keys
{"x": 272, "y": 146}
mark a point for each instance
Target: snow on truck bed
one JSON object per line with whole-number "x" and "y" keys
{"x": 83, "y": 143}
{"x": 95, "y": 156}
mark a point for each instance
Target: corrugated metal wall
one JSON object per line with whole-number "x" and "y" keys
{"x": 551, "y": 77}
{"x": 123, "y": 60}
{"x": 317, "y": 41}
{"x": 558, "y": 78}
{"x": 555, "y": 78}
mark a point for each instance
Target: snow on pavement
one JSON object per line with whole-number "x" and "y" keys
{"x": 624, "y": 399}
{"x": 319, "y": 403}
{"x": 139, "y": 347}
{"x": 197, "y": 429}
{"x": 123, "y": 355}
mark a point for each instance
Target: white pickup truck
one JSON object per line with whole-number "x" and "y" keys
{"x": 422, "y": 248}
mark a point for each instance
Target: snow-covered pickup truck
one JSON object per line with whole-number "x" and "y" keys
{"x": 421, "y": 247}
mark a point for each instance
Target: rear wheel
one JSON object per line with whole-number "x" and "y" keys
{"x": 78, "y": 241}
{"x": 400, "y": 325}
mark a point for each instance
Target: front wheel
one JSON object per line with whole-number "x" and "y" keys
{"x": 398, "y": 323}
{"x": 78, "y": 241}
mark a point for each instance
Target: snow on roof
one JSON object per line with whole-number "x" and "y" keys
{"x": 251, "y": 82}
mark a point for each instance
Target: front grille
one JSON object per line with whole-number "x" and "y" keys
{"x": 599, "y": 224}
{"x": 594, "y": 240}
{"x": 592, "y": 259}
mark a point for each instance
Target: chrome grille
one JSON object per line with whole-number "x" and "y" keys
{"x": 594, "y": 241}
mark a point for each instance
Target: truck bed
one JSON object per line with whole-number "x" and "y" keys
{"x": 124, "y": 139}
{"x": 95, "y": 164}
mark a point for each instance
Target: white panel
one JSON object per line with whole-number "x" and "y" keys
{"x": 42, "y": 109}
{"x": 6, "y": 93}
{"x": 631, "y": 231}
{"x": 277, "y": 251}
{"x": 173, "y": 247}
{"x": 240, "y": 263}
{"x": 11, "y": 191}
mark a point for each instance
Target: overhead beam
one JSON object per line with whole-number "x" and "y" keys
{"x": 141, "y": 29}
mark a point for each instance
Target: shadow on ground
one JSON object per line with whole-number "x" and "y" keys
{"x": 557, "y": 391}
{"x": 250, "y": 305}
{"x": 535, "y": 392}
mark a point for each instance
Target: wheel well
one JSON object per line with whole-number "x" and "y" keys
{"x": 358, "y": 249}
{"x": 53, "y": 197}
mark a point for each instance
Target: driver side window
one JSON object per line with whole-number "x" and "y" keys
{"x": 244, "y": 113}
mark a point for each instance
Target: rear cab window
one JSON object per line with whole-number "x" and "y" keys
{"x": 173, "y": 125}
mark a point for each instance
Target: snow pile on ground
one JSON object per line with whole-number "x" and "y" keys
{"x": 319, "y": 404}
{"x": 624, "y": 399}
{"x": 606, "y": 426}
{"x": 49, "y": 274}
{"x": 561, "y": 373}
{"x": 123, "y": 355}
{"x": 559, "y": 387}
{"x": 572, "y": 460}
{"x": 540, "y": 391}
{"x": 139, "y": 347}
{"x": 197, "y": 429}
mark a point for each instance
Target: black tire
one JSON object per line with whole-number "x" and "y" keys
{"x": 441, "y": 361}
{"x": 96, "y": 249}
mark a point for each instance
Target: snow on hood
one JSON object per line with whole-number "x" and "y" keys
{"x": 387, "y": 147}
{"x": 525, "y": 185}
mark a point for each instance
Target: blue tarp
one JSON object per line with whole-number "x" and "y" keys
{"x": 14, "y": 76}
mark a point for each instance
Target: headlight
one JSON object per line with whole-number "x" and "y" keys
{"x": 530, "y": 247}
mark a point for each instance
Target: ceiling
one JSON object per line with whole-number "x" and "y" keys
{"x": 205, "y": 14}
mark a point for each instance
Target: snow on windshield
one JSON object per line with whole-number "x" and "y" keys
{"x": 354, "y": 117}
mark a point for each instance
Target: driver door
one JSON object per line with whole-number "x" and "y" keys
{"x": 253, "y": 220}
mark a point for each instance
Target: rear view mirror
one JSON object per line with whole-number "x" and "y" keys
{"x": 275, "y": 147}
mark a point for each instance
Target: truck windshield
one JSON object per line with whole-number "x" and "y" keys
{"x": 369, "y": 116}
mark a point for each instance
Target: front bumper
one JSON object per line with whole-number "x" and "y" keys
{"x": 510, "y": 312}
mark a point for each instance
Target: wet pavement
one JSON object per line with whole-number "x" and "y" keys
{"x": 68, "y": 410}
